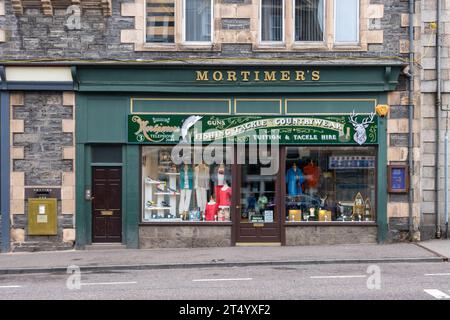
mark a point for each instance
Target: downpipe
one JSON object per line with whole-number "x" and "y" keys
{"x": 438, "y": 116}
{"x": 410, "y": 119}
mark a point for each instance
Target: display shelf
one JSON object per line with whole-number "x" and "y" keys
{"x": 148, "y": 182}
{"x": 164, "y": 220}
{"x": 167, "y": 193}
{"x": 169, "y": 173}
{"x": 158, "y": 208}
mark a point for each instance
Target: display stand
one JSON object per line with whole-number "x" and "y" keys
{"x": 162, "y": 213}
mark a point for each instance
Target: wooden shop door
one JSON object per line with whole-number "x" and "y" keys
{"x": 107, "y": 204}
{"x": 257, "y": 204}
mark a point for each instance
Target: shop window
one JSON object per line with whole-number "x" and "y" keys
{"x": 346, "y": 21}
{"x": 198, "y": 21}
{"x": 272, "y": 21}
{"x": 160, "y": 21}
{"x": 106, "y": 154}
{"x": 185, "y": 192}
{"x": 330, "y": 184}
{"x": 309, "y": 20}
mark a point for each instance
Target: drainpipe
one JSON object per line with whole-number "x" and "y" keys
{"x": 410, "y": 118}
{"x": 438, "y": 115}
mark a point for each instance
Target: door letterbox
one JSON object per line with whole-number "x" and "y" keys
{"x": 42, "y": 217}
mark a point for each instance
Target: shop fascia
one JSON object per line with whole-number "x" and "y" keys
{"x": 257, "y": 75}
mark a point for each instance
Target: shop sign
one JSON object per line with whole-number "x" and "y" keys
{"x": 309, "y": 129}
{"x": 351, "y": 162}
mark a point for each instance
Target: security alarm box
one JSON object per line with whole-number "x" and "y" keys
{"x": 42, "y": 217}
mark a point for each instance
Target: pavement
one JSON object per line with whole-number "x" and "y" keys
{"x": 142, "y": 259}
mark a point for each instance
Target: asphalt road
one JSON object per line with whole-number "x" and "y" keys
{"x": 345, "y": 281}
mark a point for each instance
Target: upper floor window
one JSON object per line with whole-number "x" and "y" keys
{"x": 346, "y": 21}
{"x": 160, "y": 21}
{"x": 272, "y": 22}
{"x": 309, "y": 20}
{"x": 198, "y": 20}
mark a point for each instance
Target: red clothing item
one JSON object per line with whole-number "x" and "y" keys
{"x": 211, "y": 211}
{"x": 312, "y": 175}
{"x": 225, "y": 197}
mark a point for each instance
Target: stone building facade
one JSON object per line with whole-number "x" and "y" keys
{"x": 42, "y": 123}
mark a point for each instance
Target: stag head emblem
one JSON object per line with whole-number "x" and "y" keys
{"x": 360, "y": 135}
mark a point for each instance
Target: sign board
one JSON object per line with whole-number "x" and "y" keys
{"x": 351, "y": 162}
{"x": 349, "y": 129}
{"x": 398, "y": 179}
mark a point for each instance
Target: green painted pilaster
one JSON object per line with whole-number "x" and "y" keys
{"x": 382, "y": 220}
{"x": 132, "y": 184}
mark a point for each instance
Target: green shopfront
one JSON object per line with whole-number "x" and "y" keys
{"x": 184, "y": 156}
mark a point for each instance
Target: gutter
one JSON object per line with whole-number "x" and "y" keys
{"x": 438, "y": 116}
{"x": 410, "y": 118}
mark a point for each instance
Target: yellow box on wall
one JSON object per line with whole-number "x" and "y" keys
{"x": 42, "y": 217}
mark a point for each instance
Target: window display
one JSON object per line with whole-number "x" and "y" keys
{"x": 175, "y": 193}
{"x": 330, "y": 184}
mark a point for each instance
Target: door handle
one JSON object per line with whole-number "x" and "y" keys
{"x": 238, "y": 207}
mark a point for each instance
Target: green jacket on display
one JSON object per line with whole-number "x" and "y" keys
{"x": 183, "y": 177}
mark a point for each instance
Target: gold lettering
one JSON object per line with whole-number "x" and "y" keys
{"x": 217, "y": 76}
{"x": 245, "y": 75}
{"x": 270, "y": 76}
{"x": 299, "y": 75}
{"x": 285, "y": 75}
{"x": 231, "y": 76}
{"x": 256, "y": 76}
{"x": 315, "y": 75}
{"x": 202, "y": 75}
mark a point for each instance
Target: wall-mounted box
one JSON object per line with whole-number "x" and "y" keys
{"x": 42, "y": 217}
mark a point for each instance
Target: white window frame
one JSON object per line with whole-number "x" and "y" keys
{"x": 161, "y": 44}
{"x": 358, "y": 30}
{"x": 324, "y": 32}
{"x": 197, "y": 43}
{"x": 283, "y": 33}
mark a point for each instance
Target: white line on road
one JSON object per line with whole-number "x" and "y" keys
{"x": 338, "y": 277}
{"x": 106, "y": 283}
{"x": 6, "y": 287}
{"x": 437, "y": 274}
{"x": 438, "y": 294}
{"x": 231, "y": 279}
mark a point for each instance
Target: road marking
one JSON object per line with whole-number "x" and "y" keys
{"x": 106, "y": 283}
{"x": 230, "y": 279}
{"x": 437, "y": 274}
{"x": 6, "y": 287}
{"x": 338, "y": 277}
{"x": 438, "y": 294}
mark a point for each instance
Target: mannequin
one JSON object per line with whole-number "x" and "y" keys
{"x": 220, "y": 177}
{"x": 225, "y": 195}
{"x": 211, "y": 210}
{"x": 201, "y": 184}
{"x": 186, "y": 189}
{"x": 294, "y": 180}
{"x": 312, "y": 175}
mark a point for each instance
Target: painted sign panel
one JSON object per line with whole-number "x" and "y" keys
{"x": 324, "y": 129}
{"x": 398, "y": 179}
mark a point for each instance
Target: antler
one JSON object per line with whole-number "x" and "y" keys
{"x": 368, "y": 119}
{"x": 351, "y": 118}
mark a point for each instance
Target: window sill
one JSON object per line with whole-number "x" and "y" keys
{"x": 187, "y": 223}
{"x": 331, "y": 223}
{"x": 348, "y": 47}
{"x": 310, "y": 45}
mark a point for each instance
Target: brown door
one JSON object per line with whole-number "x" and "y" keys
{"x": 107, "y": 204}
{"x": 257, "y": 205}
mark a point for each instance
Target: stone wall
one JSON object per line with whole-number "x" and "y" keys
{"x": 322, "y": 235}
{"x": 426, "y": 101}
{"x": 184, "y": 236}
{"x": 42, "y": 155}
{"x": 34, "y": 35}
